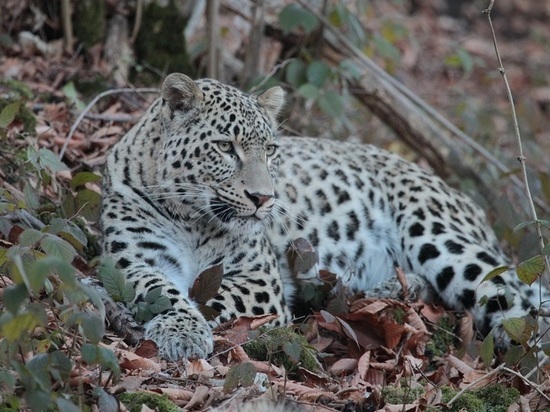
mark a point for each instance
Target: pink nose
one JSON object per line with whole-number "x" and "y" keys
{"x": 257, "y": 198}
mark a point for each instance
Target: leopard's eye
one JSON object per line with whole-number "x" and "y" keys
{"x": 271, "y": 150}
{"x": 226, "y": 147}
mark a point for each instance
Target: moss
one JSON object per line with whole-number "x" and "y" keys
{"x": 401, "y": 396}
{"x": 24, "y": 115}
{"x": 442, "y": 338}
{"x": 282, "y": 346}
{"x": 134, "y": 401}
{"x": 161, "y": 42}
{"x": 89, "y": 21}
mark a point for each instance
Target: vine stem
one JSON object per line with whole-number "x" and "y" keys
{"x": 521, "y": 156}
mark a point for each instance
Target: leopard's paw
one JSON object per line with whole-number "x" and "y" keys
{"x": 180, "y": 334}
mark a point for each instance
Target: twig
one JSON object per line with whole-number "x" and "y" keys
{"x": 67, "y": 25}
{"x": 137, "y": 21}
{"x": 521, "y": 156}
{"x": 212, "y": 11}
{"x": 527, "y": 381}
{"x": 471, "y": 384}
{"x": 92, "y": 103}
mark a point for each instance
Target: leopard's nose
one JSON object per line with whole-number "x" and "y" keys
{"x": 257, "y": 198}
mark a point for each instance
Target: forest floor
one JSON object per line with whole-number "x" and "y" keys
{"x": 376, "y": 354}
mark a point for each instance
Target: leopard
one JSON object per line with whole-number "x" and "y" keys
{"x": 204, "y": 180}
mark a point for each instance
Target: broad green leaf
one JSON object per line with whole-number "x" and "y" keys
{"x": 386, "y": 49}
{"x": 529, "y": 270}
{"x": 331, "y": 103}
{"x": 494, "y": 273}
{"x": 53, "y": 264}
{"x": 32, "y": 200}
{"x": 54, "y": 246}
{"x": 84, "y": 177}
{"x": 309, "y": 91}
{"x": 293, "y": 350}
{"x": 38, "y": 367}
{"x": 108, "y": 360}
{"x": 113, "y": 280}
{"x": 161, "y": 304}
{"x": 14, "y": 328}
{"x": 29, "y": 237}
{"x": 61, "y": 366}
{"x": 14, "y": 296}
{"x": 293, "y": 16}
{"x": 546, "y": 249}
{"x": 93, "y": 327}
{"x": 8, "y": 113}
{"x": 487, "y": 350}
{"x": 518, "y": 329}
{"x": 68, "y": 231}
{"x": 129, "y": 293}
{"x": 88, "y": 203}
{"x": 7, "y": 379}
{"x": 90, "y": 353}
{"x": 295, "y": 73}
{"x": 49, "y": 160}
{"x": 153, "y": 294}
{"x": 105, "y": 401}
{"x": 242, "y": 374}
{"x": 66, "y": 405}
{"x": 317, "y": 73}
{"x": 70, "y": 92}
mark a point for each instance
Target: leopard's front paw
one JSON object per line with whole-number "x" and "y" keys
{"x": 180, "y": 334}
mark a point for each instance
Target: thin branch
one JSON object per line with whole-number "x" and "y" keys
{"x": 472, "y": 384}
{"x": 526, "y": 381}
{"x": 92, "y": 103}
{"x": 521, "y": 156}
{"x": 67, "y": 25}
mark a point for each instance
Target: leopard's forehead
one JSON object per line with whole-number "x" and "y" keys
{"x": 233, "y": 113}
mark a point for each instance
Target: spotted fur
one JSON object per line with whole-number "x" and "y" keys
{"x": 204, "y": 180}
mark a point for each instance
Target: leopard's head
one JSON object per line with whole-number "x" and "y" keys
{"x": 219, "y": 150}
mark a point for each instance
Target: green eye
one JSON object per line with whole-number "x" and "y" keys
{"x": 271, "y": 150}
{"x": 225, "y": 147}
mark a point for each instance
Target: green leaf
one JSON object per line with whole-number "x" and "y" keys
{"x": 518, "y": 329}
{"x": 49, "y": 160}
{"x": 242, "y": 374}
{"x": 317, "y": 73}
{"x": 546, "y": 249}
{"x": 153, "y": 294}
{"x": 293, "y": 350}
{"x": 494, "y": 273}
{"x": 524, "y": 224}
{"x": 487, "y": 350}
{"x": 207, "y": 284}
{"x": 38, "y": 367}
{"x": 90, "y": 353}
{"x": 14, "y": 296}
{"x": 108, "y": 360}
{"x": 56, "y": 247}
{"x": 113, "y": 280}
{"x": 529, "y": 270}
{"x": 70, "y": 92}
{"x": 66, "y": 405}
{"x": 88, "y": 203}
{"x": 93, "y": 327}
{"x": 331, "y": 103}
{"x": 68, "y": 231}
{"x": 8, "y": 113}
{"x": 295, "y": 73}
{"x": 309, "y": 91}
{"x": 7, "y": 379}
{"x": 105, "y": 401}
{"x": 32, "y": 200}
{"x": 14, "y": 328}
{"x": 82, "y": 178}
{"x": 29, "y": 237}
{"x": 161, "y": 304}
{"x": 60, "y": 366}
{"x": 53, "y": 264}
{"x": 293, "y": 16}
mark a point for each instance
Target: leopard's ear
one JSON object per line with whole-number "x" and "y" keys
{"x": 181, "y": 92}
{"x": 272, "y": 100}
